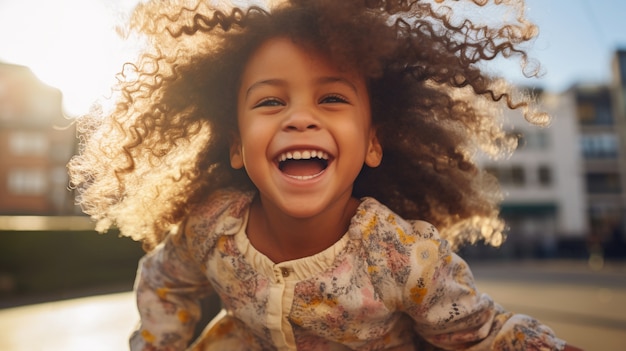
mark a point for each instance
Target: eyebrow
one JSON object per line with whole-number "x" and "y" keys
{"x": 271, "y": 82}
{"x": 341, "y": 80}
{"x": 320, "y": 81}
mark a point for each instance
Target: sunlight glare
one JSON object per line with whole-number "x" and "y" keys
{"x": 69, "y": 44}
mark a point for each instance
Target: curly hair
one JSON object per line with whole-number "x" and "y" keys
{"x": 165, "y": 145}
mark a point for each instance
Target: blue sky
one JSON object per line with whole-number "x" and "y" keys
{"x": 71, "y": 44}
{"x": 577, "y": 40}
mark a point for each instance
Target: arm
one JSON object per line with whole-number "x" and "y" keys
{"x": 173, "y": 278}
{"x": 168, "y": 288}
{"x": 450, "y": 313}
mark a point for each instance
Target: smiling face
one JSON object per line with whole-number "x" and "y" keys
{"x": 304, "y": 129}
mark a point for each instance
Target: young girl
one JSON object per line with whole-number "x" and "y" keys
{"x": 296, "y": 160}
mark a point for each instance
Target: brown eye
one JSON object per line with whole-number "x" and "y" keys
{"x": 333, "y": 99}
{"x": 269, "y": 102}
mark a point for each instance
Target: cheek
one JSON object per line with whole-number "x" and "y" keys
{"x": 255, "y": 140}
{"x": 359, "y": 129}
{"x": 246, "y": 128}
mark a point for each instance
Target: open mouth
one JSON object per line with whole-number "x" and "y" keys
{"x": 303, "y": 164}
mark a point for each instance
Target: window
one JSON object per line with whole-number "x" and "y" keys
{"x": 603, "y": 183}
{"x": 594, "y": 107}
{"x": 603, "y": 145}
{"x": 604, "y": 115}
{"x": 28, "y": 144}
{"x": 513, "y": 175}
{"x": 518, "y": 176}
{"x": 603, "y": 211}
{"x": 533, "y": 140}
{"x": 27, "y": 182}
{"x": 544, "y": 175}
{"x": 586, "y": 113}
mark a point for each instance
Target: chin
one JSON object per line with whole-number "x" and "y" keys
{"x": 303, "y": 208}
{"x": 301, "y": 212}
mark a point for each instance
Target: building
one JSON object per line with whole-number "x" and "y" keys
{"x": 603, "y": 163}
{"x": 566, "y": 184}
{"x": 36, "y": 142}
{"x": 609, "y": 209}
{"x": 618, "y": 96}
{"x": 545, "y": 201}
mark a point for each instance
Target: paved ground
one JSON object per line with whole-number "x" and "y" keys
{"x": 585, "y": 307}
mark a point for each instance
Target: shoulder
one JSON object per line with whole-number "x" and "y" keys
{"x": 373, "y": 222}
{"x": 222, "y": 213}
{"x": 226, "y": 203}
{"x": 394, "y": 246}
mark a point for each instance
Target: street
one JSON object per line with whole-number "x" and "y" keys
{"x": 585, "y": 307}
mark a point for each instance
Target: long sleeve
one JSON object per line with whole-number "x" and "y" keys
{"x": 450, "y": 313}
{"x": 168, "y": 287}
{"x": 173, "y": 278}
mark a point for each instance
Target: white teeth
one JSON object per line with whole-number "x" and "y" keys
{"x": 303, "y": 155}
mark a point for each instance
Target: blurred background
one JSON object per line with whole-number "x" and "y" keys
{"x": 564, "y": 260}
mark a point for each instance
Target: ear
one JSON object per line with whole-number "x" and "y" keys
{"x": 374, "y": 155}
{"x": 236, "y": 153}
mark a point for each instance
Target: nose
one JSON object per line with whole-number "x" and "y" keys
{"x": 301, "y": 120}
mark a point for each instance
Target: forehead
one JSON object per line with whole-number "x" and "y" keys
{"x": 280, "y": 55}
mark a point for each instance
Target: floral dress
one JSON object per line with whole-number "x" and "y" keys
{"x": 387, "y": 284}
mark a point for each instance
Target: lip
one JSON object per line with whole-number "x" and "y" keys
{"x": 305, "y": 178}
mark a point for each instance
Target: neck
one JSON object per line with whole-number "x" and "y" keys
{"x": 284, "y": 238}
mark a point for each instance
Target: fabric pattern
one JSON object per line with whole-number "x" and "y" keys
{"x": 387, "y": 284}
